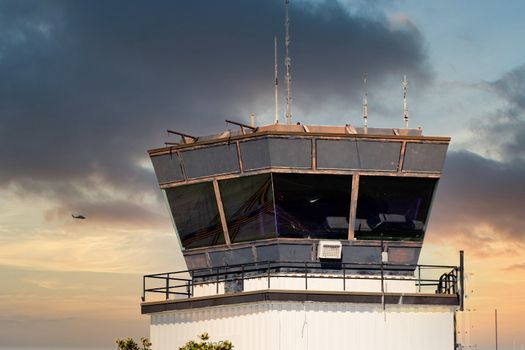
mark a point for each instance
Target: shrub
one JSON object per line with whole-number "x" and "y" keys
{"x": 204, "y": 344}
{"x": 130, "y": 344}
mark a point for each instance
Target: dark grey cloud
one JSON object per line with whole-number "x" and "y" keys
{"x": 478, "y": 192}
{"x": 508, "y": 124}
{"x": 512, "y": 86}
{"x": 87, "y": 87}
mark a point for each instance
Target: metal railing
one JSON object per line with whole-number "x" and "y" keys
{"x": 182, "y": 284}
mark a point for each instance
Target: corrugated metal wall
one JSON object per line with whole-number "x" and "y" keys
{"x": 309, "y": 326}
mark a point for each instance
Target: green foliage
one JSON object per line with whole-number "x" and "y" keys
{"x": 204, "y": 344}
{"x": 130, "y": 344}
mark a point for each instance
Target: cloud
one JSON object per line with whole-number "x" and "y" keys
{"x": 87, "y": 88}
{"x": 515, "y": 267}
{"x": 479, "y": 201}
{"x": 480, "y": 197}
{"x": 512, "y": 86}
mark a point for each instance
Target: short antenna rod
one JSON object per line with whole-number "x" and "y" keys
{"x": 405, "y": 105}
{"x": 276, "y": 82}
{"x": 288, "y": 63}
{"x": 365, "y": 104}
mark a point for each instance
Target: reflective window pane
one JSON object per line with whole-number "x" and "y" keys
{"x": 194, "y": 210}
{"x": 248, "y": 207}
{"x": 315, "y": 206}
{"x": 393, "y": 207}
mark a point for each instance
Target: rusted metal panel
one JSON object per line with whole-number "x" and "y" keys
{"x": 168, "y": 167}
{"x": 337, "y": 154}
{"x": 375, "y": 155}
{"x": 276, "y": 152}
{"x": 425, "y": 157}
{"x": 358, "y": 154}
{"x": 403, "y": 255}
{"x": 360, "y": 254}
{"x": 232, "y": 257}
{"x": 196, "y": 261}
{"x": 208, "y": 161}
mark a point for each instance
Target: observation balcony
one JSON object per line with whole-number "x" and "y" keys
{"x": 380, "y": 283}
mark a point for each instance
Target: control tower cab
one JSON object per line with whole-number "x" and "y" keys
{"x": 280, "y": 224}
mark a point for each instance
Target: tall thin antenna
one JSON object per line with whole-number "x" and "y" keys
{"x": 405, "y": 105}
{"x": 365, "y": 104}
{"x": 288, "y": 63}
{"x": 276, "y": 82}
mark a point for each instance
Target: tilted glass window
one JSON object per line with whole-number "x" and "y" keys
{"x": 196, "y": 216}
{"x": 248, "y": 207}
{"x": 314, "y": 206}
{"x": 395, "y": 208}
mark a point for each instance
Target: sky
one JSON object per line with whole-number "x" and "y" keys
{"x": 86, "y": 87}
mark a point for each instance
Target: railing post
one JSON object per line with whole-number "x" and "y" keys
{"x": 306, "y": 276}
{"x": 344, "y": 279}
{"x": 419, "y": 277}
{"x": 168, "y": 286}
{"x": 269, "y": 275}
{"x": 143, "y": 288}
{"x": 242, "y": 276}
{"x": 217, "y": 282}
{"x": 188, "y": 290}
{"x": 382, "y": 286}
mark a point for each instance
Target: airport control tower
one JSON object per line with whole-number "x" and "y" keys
{"x": 303, "y": 237}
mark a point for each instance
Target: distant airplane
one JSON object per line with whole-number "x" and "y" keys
{"x": 81, "y": 217}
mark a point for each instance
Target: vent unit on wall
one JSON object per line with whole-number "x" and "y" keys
{"x": 329, "y": 250}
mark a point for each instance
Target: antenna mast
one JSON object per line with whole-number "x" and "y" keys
{"x": 405, "y": 106}
{"x": 288, "y": 63}
{"x": 365, "y": 104}
{"x": 276, "y": 82}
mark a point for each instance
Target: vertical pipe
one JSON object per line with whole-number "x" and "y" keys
{"x": 496, "y": 326}
{"x": 456, "y": 347}
{"x": 143, "y": 288}
{"x": 462, "y": 281}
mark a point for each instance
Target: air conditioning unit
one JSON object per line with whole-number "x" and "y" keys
{"x": 329, "y": 250}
